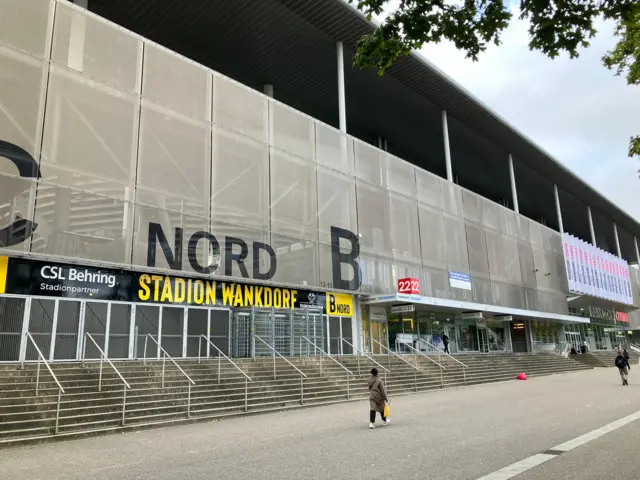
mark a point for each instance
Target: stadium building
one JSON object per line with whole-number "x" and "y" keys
{"x": 219, "y": 168}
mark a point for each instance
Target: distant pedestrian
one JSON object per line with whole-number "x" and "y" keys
{"x": 377, "y": 399}
{"x": 445, "y": 340}
{"x": 623, "y": 367}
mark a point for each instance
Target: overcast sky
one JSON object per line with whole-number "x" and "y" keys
{"x": 577, "y": 110}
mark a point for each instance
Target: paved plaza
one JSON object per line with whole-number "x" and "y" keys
{"x": 464, "y": 433}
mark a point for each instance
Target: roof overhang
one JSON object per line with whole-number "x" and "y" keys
{"x": 468, "y": 307}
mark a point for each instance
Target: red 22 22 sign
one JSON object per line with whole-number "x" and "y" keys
{"x": 409, "y": 286}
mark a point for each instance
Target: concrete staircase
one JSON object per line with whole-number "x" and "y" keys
{"x": 90, "y": 405}
{"x": 608, "y": 357}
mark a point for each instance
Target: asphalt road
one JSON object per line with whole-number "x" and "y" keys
{"x": 455, "y": 434}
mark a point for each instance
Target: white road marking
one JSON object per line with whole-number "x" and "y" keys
{"x": 540, "y": 458}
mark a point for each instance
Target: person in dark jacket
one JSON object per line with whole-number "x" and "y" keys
{"x": 377, "y": 399}
{"x": 445, "y": 340}
{"x": 623, "y": 367}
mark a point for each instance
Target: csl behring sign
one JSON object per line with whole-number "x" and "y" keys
{"x": 31, "y": 277}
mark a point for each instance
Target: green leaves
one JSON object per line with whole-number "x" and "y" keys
{"x": 556, "y": 26}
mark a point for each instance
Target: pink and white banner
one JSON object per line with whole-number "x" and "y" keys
{"x": 592, "y": 271}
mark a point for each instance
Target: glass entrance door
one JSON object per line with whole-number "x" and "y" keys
{"x": 483, "y": 340}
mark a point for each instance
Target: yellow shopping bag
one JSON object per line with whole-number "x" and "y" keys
{"x": 387, "y": 410}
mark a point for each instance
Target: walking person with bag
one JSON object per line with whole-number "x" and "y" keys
{"x": 378, "y": 401}
{"x": 623, "y": 367}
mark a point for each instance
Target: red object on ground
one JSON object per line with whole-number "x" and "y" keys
{"x": 522, "y": 376}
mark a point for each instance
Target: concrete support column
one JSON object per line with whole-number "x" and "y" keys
{"x": 514, "y": 191}
{"x": 617, "y": 239}
{"x": 558, "y": 211}
{"x": 268, "y": 90}
{"x": 635, "y": 241}
{"x": 342, "y": 109}
{"x": 591, "y": 229}
{"x": 447, "y": 150}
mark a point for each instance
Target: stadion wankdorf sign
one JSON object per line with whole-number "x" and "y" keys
{"x": 592, "y": 271}
{"x": 31, "y": 277}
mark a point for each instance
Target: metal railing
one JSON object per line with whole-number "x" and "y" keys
{"x": 349, "y": 372}
{"x": 440, "y": 352}
{"x": 415, "y": 368}
{"x": 165, "y": 355}
{"x": 417, "y": 352}
{"x": 221, "y": 355}
{"x": 275, "y": 352}
{"x": 362, "y": 353}
{"x": 46, "y": 364}
{"x": 103, "y": 356}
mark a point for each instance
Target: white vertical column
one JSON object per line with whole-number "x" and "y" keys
{"x": 615, "y": 236}
{"x": 558, "y": 211}
{"x": 77, "y": 30}
{"x": 342, "y": 109}
{"x": 592, "y": 230}
{"x": 514, "y": 190}
{"x": 268, "y": 90}
{"x": 447, "y": 150}
{"x": 635, "y": 241}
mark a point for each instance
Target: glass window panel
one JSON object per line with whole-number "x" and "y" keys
{"x": 435, "y": 283}
{"x": 174, "y": 161}
{"x": 495, "y": 255}
{"x": 472, "y": 205}
{"x": 455, "y": 243}
{"x": 326, "y": 267}
{"x": 490, "y": 214}
{"x": 24, "y": 24}
{"x": 17, "y": 197}
{"x": 334, "y": 149}
{"x": 373, "y": 212}
{"x": 522, "y": 225}
{"x": 240, "y": 109}
{"x": 432, "y": 237}
{"x": 376, "y": 274}
{"x": 336, "y": 203}
{"x": 79, "y": 224}
{"x": 481, "y": 288}
{"x": 22, "y": 84}
{"x": 176, "y": 82}
{"x": 250, "y": 236}
{"x": 401, "y": 176}
{"x": 535, "y": 230}
{"x": 370, "y": 163}
{"x": 527, "y": 265}
{"x": 511, "y": 260}
{"x": 403, "y": 226}
{"x": 451, "y": 196}
{"x": 240, "y": 180}
{"x": 477, "y": 249}
{"x": 96, "y": 48}
{"x": 90, "y": 135}
{"x": 293, "y": 196}
{"x": 297, "y": 260}
{"x": 293, "y": 132}
{"x": 170, "y": 220}
{"x": 428, "y": 188}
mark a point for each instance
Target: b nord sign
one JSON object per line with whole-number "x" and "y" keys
{"x": 237, "y": 251}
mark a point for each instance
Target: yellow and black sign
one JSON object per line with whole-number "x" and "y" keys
{"x": 31, "y": 277}
{"x": 339, "y": 305}
{"x": 4, "y": 263}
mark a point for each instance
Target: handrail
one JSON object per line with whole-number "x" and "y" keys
{"x": 356, "y": 349}
{"x": 220, "y": 353}
{"x": 103, "y": 355}
{"x": 325, "y": 353}
{"x": 60, "y": 389}
{"x": 395, "y": 354}
{"x": 278, "y": 353}
{"x": 144, "y": 358}
{"x": 425, "y": 356}
{"x": 46, "y": 364}
{"x": 442, "y": 353}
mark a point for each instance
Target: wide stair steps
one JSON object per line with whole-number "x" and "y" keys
{"x": 220, "y": 389}
{"x": 608, "y": 358}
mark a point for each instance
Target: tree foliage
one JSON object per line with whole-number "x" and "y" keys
{"x": 555, "y": 26}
